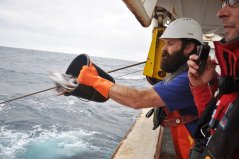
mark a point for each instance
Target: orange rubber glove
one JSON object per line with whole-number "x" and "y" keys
{"x": 89, "y": 76}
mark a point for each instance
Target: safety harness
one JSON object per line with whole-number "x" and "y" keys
{"x": 162, "y": 117}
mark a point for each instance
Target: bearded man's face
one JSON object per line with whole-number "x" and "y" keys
{"x": 173, "y": 55}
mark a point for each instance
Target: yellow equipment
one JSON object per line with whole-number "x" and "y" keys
{"x": 152, "y": 69}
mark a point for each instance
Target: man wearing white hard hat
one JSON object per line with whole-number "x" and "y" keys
{"x": 181, "y": 39}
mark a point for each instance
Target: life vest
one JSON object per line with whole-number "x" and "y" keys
{"x": 222, "y": 130}
{"x": 228, "y": 58}
{"x": 224, "y": 122}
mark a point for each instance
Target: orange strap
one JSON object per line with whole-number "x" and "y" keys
{"x": 181, "y": 120}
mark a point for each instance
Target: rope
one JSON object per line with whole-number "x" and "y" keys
{"x": 55, "y": 87}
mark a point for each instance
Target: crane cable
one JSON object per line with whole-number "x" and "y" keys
{"x": 55, "y": 87}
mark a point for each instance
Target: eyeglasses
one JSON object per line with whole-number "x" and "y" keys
{"x": 231, "y": 3}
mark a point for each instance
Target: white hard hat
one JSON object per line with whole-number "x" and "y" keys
{"x": 183, "y": 28}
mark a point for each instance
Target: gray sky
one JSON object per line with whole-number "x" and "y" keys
{"x": 104, "y": 28}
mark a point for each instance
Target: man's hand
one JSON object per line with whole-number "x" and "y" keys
{"x": 89, "y": 76}
{"x": 207, "y": 75}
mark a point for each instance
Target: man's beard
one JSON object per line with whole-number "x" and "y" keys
{"x": 170, "y": 63}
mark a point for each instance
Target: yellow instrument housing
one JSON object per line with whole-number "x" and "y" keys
{"x": 152, "y": 67}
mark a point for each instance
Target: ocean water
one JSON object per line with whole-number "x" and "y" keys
{"x": 47, "y": 126}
